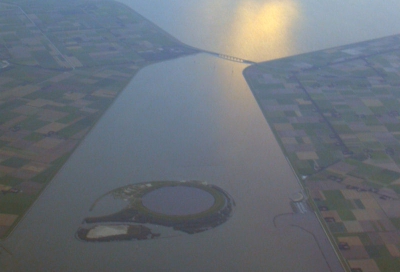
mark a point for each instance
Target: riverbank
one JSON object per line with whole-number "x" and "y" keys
{"x": 335, "y": 115}
{"x": 63, "y": 72}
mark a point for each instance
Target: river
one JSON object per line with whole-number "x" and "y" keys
{"x": 195, "y": 118}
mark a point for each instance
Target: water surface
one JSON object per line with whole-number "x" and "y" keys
{"x": 178, "y": 200}
{"x": 178, "y": 127}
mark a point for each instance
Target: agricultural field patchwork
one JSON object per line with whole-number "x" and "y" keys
{"x": 336, "y": 115}
{"x": 61, "y": 67}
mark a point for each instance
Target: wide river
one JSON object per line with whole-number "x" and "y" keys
{"x": 195, "y": 118}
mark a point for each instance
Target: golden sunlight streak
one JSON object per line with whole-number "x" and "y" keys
{"x": 264, "y": 27}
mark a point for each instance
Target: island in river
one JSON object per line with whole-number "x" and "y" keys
{"x": 336, "y": 116}
{"x": 62, "y": 63}
{"x": 183, "y": 206}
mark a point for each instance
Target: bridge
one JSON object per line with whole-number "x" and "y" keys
{"x": 230, "y": 58}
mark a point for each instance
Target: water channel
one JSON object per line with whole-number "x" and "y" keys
{"x": 195, "y": 118}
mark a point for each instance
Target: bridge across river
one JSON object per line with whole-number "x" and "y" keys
{"x": 230, "y": 58}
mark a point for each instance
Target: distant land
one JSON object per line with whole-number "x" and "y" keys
{"x": 62, "y": 64}
{"x": 336, "y": 116}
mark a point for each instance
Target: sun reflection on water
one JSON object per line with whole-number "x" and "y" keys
{"x": 267, "y": 26}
